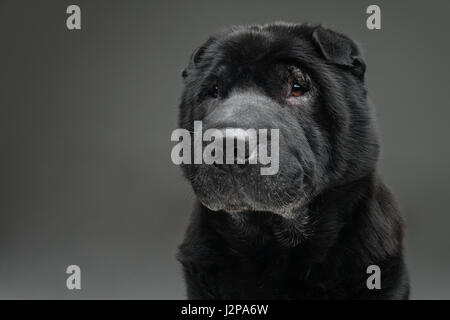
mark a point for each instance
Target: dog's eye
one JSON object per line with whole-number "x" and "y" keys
{"x": 297, "y": 90}
{"x": 214, "y": 91}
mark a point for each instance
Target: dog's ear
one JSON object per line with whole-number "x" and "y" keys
{"x": 196, "y": 57}
{"x": 340, "y": 50}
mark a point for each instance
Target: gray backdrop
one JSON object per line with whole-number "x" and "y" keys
{"x": 86, "y": 118}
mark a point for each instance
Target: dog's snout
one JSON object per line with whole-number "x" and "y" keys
{"x": 243, "y": 110}
{"x": 239, "y": 149}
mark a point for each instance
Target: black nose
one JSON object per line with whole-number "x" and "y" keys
{"x": 239, "y": 150}
{"x": 235, "y": 165}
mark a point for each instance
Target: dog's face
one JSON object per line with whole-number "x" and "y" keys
{"x": 305, "y": 81}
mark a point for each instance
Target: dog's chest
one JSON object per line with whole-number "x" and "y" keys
{"x": 264, "y": 274}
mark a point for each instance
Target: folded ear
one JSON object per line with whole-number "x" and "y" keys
{"x": 340, "y": 50}
{"x": 196, "y": 56}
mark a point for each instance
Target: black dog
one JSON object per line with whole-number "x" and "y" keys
{"x": 311, "y": 230}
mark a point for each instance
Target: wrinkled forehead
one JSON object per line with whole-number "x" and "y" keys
{"x": 259, "y": 48}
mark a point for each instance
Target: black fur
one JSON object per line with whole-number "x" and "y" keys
{"x": 310, "y": 231}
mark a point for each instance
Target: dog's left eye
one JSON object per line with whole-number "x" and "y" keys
{"x": 297, "y": 90}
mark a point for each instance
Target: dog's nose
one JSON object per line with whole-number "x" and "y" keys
{"x": 239, "y": 150}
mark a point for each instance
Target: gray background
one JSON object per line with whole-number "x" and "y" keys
{"x": 86, "y": 117}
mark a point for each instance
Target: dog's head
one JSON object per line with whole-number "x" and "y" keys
{"x": 306, "y": 81}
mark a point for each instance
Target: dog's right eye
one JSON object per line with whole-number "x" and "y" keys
{"x": 215, "y": 91}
